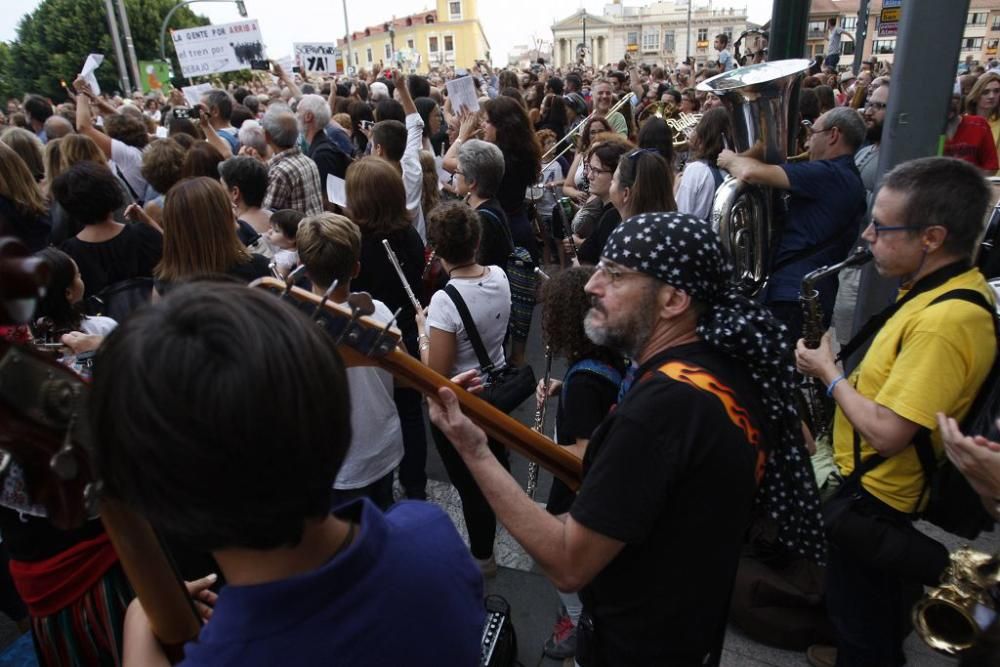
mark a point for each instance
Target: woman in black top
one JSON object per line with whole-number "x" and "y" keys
{"x": 507, "y": 125}
{"x": 106, "y": 251}
{"x": 377, "y": 201}
{"x": 600, "y": 164}
{"x": 23, "y": 212}
{"x": 553, "y": 116}
{"x": 199, "y": 237}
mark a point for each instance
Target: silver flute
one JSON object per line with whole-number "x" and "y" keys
{"x": 402, "y": 277}
{"x": 540, "y": 422}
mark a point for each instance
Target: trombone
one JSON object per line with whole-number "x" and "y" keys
{"x": 578, "y": 128}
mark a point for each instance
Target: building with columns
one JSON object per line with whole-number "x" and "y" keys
{"x": 654, "y": 34}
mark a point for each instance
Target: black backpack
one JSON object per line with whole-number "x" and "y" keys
{"x": 953, "y": 505}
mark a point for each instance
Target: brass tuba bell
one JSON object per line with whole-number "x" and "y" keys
{"x": 951, "y": 618}
{"x": 762, "y": 101}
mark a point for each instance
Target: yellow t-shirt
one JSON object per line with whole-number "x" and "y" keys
{"x": 946, "y": 352}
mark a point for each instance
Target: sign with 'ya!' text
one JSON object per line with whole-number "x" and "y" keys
{"x": 317, "y": 58}
{"x": 213, "y": 49}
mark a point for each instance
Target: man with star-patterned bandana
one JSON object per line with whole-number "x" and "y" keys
{"x": 704, "y": 437}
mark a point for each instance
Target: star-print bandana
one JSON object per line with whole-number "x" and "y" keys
{"x": 683, "y": 251}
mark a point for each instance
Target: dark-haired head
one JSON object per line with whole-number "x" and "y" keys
{"x": 712, "y": 133}
{"x": 643, "y": 183}
{"x": 89, "y": 192}
{"x": 57, "y": 303}
{"x": 185, "y": 455}
{"x": 453, "y": 232}
{"x": 248, "y": 176}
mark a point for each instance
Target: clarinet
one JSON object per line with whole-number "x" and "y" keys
{"x": 566, "y": 204}
{"x": 539, "y": 423}
{"x": 812, "y": 333}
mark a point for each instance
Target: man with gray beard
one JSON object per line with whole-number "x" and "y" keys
{"x": 704, "y": 435}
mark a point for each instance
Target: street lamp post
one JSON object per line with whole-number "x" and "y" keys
{"x": 163, "y": 28}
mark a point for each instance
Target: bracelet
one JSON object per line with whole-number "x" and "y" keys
{"x": 423, "y": 338}
{"x": 833, "y": 385}
{"x": 424, "y": 346}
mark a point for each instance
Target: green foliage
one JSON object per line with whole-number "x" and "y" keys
{"x": 7, "y": 89}
{"x": 54, "y": 40}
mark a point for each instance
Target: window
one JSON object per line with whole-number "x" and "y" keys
{"x": 369, "y": 54}
{"x": 669, "y": 42}
{"x": 356, "y": 56}
{"x": 388, "y": 51}
{"x": 429, "y": 19}
{"x": 728, "y": 31}
{"x": 817, "y": 29}
{"x": 849, "y": 23}
{"x": 632, "y": 38}
{"x": 992, "y": 45}
{"x": 884, "y": 46}
{"x": 996, "y": 23}
{"x": 651, "y": 40}
{"x": 449, "y": 44}
{"x": 409, "y": 44}
{"x": 702, "y": 34}
{"x": 972, "y": 43}
{"x": 847, "y": 47}
{"x": 455, "y": 10}
{"x": 977, "y": 18}
{"x": 432, "y": 44}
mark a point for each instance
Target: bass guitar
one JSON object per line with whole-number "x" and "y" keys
{"x": 364, "y": 342}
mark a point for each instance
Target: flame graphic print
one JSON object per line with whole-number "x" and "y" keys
{"x": 701, "y": 379}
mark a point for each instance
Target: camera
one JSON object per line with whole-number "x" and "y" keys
{"x": 367, "y": 124}
{"x": 182, "y": 112}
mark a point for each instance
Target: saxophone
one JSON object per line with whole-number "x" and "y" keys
{"x": 812, "y": 333}
{"x": 952, "y": 617}
{"x": 539, "y": 423}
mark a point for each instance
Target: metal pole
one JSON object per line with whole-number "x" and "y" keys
{"x": 860, "y": 35}
{"x": 789, "y": 27}
{"x": 347, "y": 31}
{"x": 687, "y": 56}
{"x": 129, "y": 45}
{"x": 116, "y": 40}
{"x": 921, "y": 88}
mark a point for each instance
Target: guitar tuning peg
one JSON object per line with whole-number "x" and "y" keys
{"x": 319, "y": 307}
{"x": 92, "y": 496}
{"x": 383, "y": 344}
{"x": 292, "y": 277}
{"x": 5, "y": 460}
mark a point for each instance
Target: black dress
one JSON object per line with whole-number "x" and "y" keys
{"x": 590, "y": 250}
{"x": 378, "y": 277}
{"x": 32, "y": 230}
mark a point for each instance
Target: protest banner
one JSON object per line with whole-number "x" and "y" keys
{"x": 213, "y": 49}
{"x": 316, "y": 58}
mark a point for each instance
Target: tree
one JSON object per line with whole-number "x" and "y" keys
{"x": 7, "y": 88}
{"x": 54, "y": 40}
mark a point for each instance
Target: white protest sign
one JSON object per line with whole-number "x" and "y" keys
{"x": 336, "y": 190}
{"x": 317, "y": 58}
{"x": 94, "y": 61}
{"x": 462, "y": 93}
{"x": 212, "y": 49}
{"x": 193, "y": 93}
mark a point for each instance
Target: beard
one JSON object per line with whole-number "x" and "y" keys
{"x": 873, "y": 134}
{"x": 629, "y": 335}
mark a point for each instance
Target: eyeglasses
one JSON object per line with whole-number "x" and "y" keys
{"x": 596, "y": 170}
{"x": 808, "y": 124}
{"x": 880, "y": 228}
{"x": 876, "y": 106}
{"x": 613, "y": 273}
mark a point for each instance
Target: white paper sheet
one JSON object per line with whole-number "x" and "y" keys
{"x": 336, "y": 190}
{"x": 93, "y": 61}
{"x": 193, "y": 93}
{"x": 462, "y": 93}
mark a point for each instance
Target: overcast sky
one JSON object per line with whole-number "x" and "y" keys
{"x": 506, "y": 22}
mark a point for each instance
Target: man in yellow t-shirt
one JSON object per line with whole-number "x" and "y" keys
{"x": 926, "y": 358}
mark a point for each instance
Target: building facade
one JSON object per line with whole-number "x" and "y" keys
{"x": 448, "y": 36}
{"x": 980, "y": 39}
{"x": 655, "y": 34}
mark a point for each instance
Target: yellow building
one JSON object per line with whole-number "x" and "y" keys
{"x": 449, "y": 35}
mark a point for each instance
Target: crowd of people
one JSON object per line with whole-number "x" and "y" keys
{"x": 681, "y": 395}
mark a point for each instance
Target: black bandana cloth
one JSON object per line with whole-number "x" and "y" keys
{"x": 683, "y": 251}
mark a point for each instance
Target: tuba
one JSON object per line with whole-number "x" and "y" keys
{"x": 763, "y": 102}
{"x": 952, "y": 617}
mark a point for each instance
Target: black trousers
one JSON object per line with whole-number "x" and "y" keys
{"x": 410, "y": 406}
{"x": 480, "y": 520}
